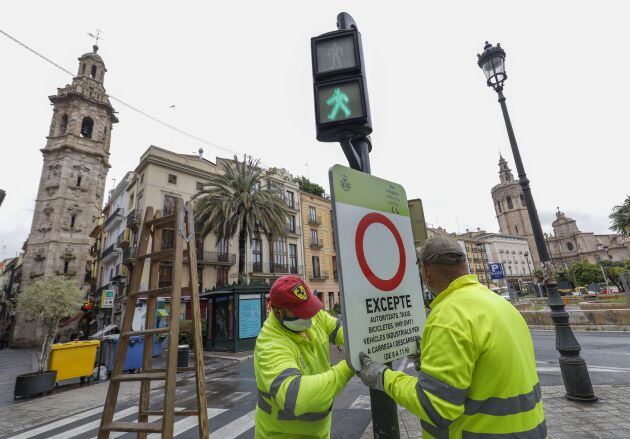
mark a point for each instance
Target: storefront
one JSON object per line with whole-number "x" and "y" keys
{"x": 235, "y": 316}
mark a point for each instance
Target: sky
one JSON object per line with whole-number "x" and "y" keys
{"x": 239, "y": 75}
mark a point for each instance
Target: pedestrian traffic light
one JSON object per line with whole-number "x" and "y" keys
{"x": 342, "y": 109}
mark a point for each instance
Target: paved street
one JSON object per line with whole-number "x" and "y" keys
{"x": 231, "y": 390}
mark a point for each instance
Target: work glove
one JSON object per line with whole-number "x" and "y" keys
{"x": 416, "y": 357}
{"x": 372, "y": 372}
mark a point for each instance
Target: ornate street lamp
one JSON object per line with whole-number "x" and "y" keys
{"x": 573, "y": 367}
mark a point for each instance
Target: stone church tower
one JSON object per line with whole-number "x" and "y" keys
{"x": 72, "y": 183}
{"x": 509, "y": 205}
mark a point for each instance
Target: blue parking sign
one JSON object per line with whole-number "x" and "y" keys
{"x": 496, "y": 271}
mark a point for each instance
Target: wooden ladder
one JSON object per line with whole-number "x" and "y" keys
{"x": 182, "y": 222}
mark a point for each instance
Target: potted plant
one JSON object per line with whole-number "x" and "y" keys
{"x": 47, "y": 302}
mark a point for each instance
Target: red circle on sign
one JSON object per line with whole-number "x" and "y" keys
{"x": 381, "y": 284}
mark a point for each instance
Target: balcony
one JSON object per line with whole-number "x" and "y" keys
{"x": 109, "y": 251}
{"x": 123, "y": 239}
{"x": 216, "y": 258}
{"x": 315, "y": 220}
{"x": 260, "y": 269}
{"x": 318, "y": 275}
{"x": 316, "y": 243}
{"x": 113, "y": 218}
{"x": 133, "y": 219}
{"x": 129, "y": 255}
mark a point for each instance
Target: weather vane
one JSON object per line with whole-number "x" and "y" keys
{"x": 96, "y": 35}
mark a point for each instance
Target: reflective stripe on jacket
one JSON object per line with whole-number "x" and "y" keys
{"x": 478, "y": 376}
{"x": 296, "y": 383}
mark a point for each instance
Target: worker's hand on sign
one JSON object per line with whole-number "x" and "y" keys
{"x": 372, "y": 372}
{"x": 416, "y": 357}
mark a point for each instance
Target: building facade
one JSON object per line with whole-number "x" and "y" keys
{"x": 10, "y": 279}
{"x": 319, "y": 248}
{"x": 476, "y": 257}
{"x": 72, "y": 182}
{"x": 568, "y": 244}
{"x": 511, "y": 210}
{"x": 271, "y": 257}
{"x": 515, "y": 255}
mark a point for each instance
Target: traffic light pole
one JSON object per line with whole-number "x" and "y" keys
{"x": 384, "y": 409}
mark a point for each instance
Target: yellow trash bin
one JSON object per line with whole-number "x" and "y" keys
{"x": 74, "y": 359}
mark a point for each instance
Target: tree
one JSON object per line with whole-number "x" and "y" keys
{"x": 586, "y": 273}
{"x": 49, "y": 302}
{"x": 307, "y": 186}
{"x": 620, "y": 218}
{"x": 236, "y": 202}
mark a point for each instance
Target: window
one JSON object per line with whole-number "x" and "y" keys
{"x": 93, "y": 71}
{"x": 200, "y": 277}
{"x": 78, "y": 181}
{"x": 331, "y": 300}
{"x": 522, "y": 200}
{"x": 169, "y": 205}
{"x": 83, "y": 69}
{"x": 172, "y": 179}
{"x": 104, "y": 133}
{"x": 334, "y": 265}
{"x": 222, "y": 276}
{"x": 86, "y": 127}
{"x": 499, "y": 208}
{"x": 199, "y": 186}
{"x": 63, "y": 126}
{"x": 509, "y": 203}
{"x": 168, "y": 239}
{"x": 516, "y": 227}
{"x": 142, "y": 178}
{"x": 569, "y": 246}
{"x": 280, "y": 258}
{"x": 291, "y": 223}
{"x": 165, "y": 274}
{"x": 312, "y": 214}
{"x": 130, "y": 204}
{"x": 256, "y": 186}
{"x": 316, "y": 269}
{"x": 290, "y": 199}
{"x": 66, "y": 266}
{"x": 314, "y": 237}
{"x": 293, "y": 263}
{"x": 72, "y": 220}
{"x": 256, "y": 255}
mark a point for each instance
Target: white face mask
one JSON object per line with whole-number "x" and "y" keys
{"x": 296, "y": 325}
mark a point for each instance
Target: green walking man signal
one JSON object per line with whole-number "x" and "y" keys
{"x": 338, "y": 101}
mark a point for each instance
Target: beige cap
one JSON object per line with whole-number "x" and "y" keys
{"x": 441, "y": 250}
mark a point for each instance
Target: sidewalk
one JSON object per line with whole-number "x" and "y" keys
{"x": 607, "y": 418}
{"x": 66, "y": 400}
{"x": 14, "y": 362}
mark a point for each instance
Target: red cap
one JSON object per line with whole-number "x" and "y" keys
{"x": 291, "y": 293}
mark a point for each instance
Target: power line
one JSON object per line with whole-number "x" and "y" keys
{"x": 120, "y": 101}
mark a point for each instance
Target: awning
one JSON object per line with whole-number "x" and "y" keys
{"x": 71, "y": 319}
{"x": 103, "y": 331}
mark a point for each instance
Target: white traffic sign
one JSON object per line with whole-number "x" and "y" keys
{"x": 107, "y": 299}
{"x": 381, "y": 298}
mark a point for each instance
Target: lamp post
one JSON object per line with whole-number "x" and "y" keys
{"x": 577, "y": 381}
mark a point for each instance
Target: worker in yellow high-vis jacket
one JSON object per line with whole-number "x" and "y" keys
{"x": 296, "y": 383}
{"x": 477, "y": 377}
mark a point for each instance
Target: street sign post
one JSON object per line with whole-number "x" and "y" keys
{"x": 107, "y": 299}
{"x": 496, "y": 271}
{"x": 381, "y": 298}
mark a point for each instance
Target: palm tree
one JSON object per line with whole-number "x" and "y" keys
{"x": 235, "y": 202}
{"x": 620, "y": 217}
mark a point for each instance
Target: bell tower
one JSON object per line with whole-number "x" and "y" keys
{"x": 72, "y": 183}
{"x": 510, "y": 208}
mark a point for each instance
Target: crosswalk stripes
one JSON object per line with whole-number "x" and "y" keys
{"x": 361, "y": 403}
{"x": 187, "y": 423}
{"x": 233, "y": 397}
{"x": 84, "y": 428}
{"x": 117, "y": 434}
{"x": 57, "y": 424}
{"x": 236, "y": 427}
